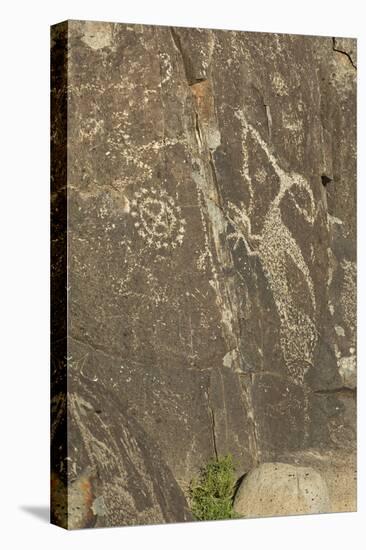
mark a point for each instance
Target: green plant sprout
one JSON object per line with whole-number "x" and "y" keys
{"x": 211, "y": 495}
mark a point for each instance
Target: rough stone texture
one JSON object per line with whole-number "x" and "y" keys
{"x": 124, "y": 480}
{"x": 338, "y": 468}
{"x": 277, "y": 489}
{"x": 204, "y": 248}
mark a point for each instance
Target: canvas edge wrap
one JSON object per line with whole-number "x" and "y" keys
{"x": 59, "y": 316}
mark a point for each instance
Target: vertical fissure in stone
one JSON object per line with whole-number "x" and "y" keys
{"x": 225, "y": 287}
{"x": 178, "y": 44}
{"x": 213, "y": 425}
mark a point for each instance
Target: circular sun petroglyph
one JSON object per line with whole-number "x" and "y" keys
{"x": 158, "y": 219}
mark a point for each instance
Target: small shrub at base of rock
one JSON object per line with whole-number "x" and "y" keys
{"x": 211, "y": 495}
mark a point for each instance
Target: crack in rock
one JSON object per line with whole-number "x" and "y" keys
{"x": 335, "y": 49}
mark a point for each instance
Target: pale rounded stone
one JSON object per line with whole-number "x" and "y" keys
{"x": 277, "y": 489}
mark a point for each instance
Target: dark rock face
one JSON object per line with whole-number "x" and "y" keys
{"x": 204, "y": 243}
{"x": 115, "y": 473}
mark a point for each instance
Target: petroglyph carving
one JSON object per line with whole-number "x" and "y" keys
{"x": 158, "y": 219}
{"x": 276, "y": 246}
{"x": 166, "y": 66}
{"x": 348, "y": 292}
